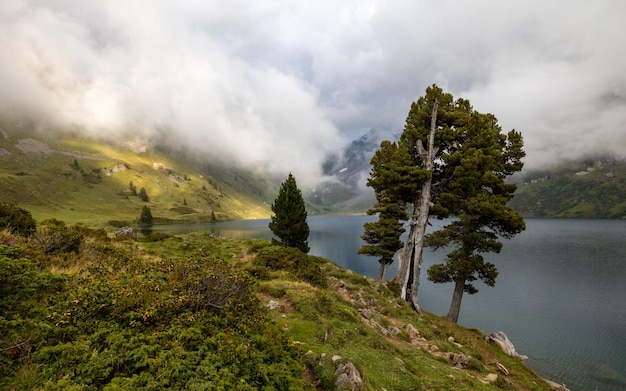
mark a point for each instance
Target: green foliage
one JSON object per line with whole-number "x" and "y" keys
{"x": 154, "y": 237}
{"x": 143, "y": 315}
{"x": 129, "y": 323}
{"x": 143, "y": 195}
{"x": 477, "y": 195}
{"x": 393, "y": 178}
{"x": 132, "y": 188}
{"x": 581, "y": 189}
{"x": 54, "y": 237}
{"x": 466, "y": 180}
{"x": 302, "y": 266}
{"x": 145, "y": 218}
{"x": 17, "y": 220}
{"x": 288, "y": 222}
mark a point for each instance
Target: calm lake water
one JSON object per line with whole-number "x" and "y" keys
{"x": 560, "y": 295}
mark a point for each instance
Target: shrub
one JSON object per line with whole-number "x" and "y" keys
{"x": 55, "y": 237}
{"x": 153, "y": 237}
{"x": 304, "y": 267}
{"x": 17, "y": 220}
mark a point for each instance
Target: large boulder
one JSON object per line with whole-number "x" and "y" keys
{"x": 505, "y": 344}
{"x": 348, "y": 377}
{"x": 126, "y": 231}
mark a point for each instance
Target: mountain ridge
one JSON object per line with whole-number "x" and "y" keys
{"x": 77, "y": 179}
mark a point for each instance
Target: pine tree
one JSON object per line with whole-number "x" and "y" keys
{"x": 458, "y": 160}
{"x": 143, "y": 195}
{"x": 145, "y": 218}
{"x": 132, "y": 188}
{"x": 477, "y": 196}
{"x": 289, "y": 222}
{"x": 391, "y": 178}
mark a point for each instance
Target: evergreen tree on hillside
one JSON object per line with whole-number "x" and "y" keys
{"x": 457, "y": 162}
{"x": 389, "y": 178}
{"x": 477, "y": 196}
{"x": 145, "y": 218}
{"x": 132, "y": 188}
{"x": 289, "y": 220}
{"x": 143, "y": 195}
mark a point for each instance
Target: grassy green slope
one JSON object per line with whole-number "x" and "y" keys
{"x": 137, "y": 315}
{"x": 582, "y": 190}
{"x": 38, "y": 172}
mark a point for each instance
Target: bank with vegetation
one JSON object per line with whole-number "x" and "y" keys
{"x": 81, "y": 309}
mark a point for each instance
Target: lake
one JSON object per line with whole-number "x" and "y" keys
{"x": 560, "y": 295}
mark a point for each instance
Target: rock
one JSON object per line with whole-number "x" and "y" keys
{"x": 367, "y": 314}
{"x": 126, "y": 231}
{"x": 458, "y": 360}
{"x": 491, "y": 377}
{"x": 272, "y": 304}
{"x": 394, "y": 330}
{"x": 556, "y": 386}
{"x": 411, "y": 330}
{"x": 336, "y": 357}
{"x": 433, "y": 348}
{"x": 348, "y": 377}
{"x": 503, "y": 341}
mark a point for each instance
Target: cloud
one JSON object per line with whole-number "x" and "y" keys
{"x": 279, "y": 84}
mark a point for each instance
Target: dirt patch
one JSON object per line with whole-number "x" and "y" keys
{"x": 285, "y": 306}
{"x": 30, "y": 145}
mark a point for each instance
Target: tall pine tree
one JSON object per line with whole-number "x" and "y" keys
{"x": 289, "y": 220}
{"x": 457, "y": 162}
{"x": 477, "y": 195}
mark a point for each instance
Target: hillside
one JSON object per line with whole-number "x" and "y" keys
{"x": 76, "y": 179}
{"x": 199, "y": 312}
{"x": 588, "y": 188}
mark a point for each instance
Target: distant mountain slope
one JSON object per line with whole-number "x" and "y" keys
{"x": 590, "y": 188}
{"x": 349, "y": 168}
{"x": 81, "y": 180}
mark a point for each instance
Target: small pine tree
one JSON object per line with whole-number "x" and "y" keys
{"x": 145, "y": 218}
{"x": 132, "y": 188}
{"x": 289, "y": 220}
{"x": 185, "y": 201}
{"x": 143, "y": 195}
{"x": 213, "y": 217}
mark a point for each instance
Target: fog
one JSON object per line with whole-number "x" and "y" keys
{"x": 277, "y": 85}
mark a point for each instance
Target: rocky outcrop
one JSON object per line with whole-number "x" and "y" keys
{"x": 348, "y": 377}
{"x": 505, "y": 344}
{"x": 126, "y": 231}
{"x": 556, "y": 386}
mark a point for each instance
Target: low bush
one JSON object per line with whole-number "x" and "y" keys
{"x": 302, "y": 266}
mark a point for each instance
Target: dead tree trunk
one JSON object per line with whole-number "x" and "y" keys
{"x": 410, "y": 257}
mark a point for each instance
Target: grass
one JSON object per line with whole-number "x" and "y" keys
{"x": 327, "y": 322}
{"x": 45, "y": 180}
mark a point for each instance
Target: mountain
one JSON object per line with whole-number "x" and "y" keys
{"x": 586, "y": 188}
{"x": 75, "y": 179}
{"x": 347, "y": 170}
{"x": 72, "y": 178}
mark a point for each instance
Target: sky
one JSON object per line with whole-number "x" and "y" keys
{"x": 277, "y": 84}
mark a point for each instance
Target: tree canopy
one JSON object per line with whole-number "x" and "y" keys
{"x": 289, "y": 221}
{"x": 450, "y": 161}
